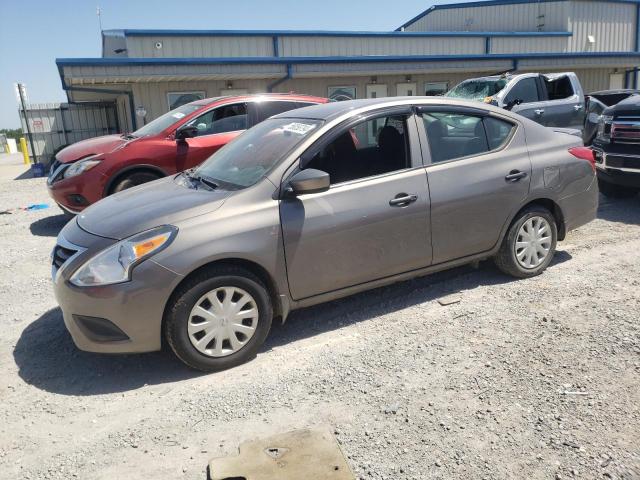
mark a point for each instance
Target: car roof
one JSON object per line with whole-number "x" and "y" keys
{"x": 332, "y": 110}
{"x": 259, "y": 96}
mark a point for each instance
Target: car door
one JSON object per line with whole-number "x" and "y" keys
{"x": 373, "y": 222}
{"x": 564, "y": 105}
{"x": 527, "y": 92}
{"x": 216, "y": 128}
{"x": 478, "y": 172}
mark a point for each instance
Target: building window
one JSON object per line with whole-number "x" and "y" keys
{"x": 176, "y": 99}
{"x": 342, "y": 93}
{"x": 435, "y": 89}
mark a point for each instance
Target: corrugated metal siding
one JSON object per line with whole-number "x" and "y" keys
{"x": 528, "y": 44}
{"x": 89, "y": 75}
{"x": 612, "y": 25}
{"x": 363, "y": 46}
{"x": 199, "y": 46}
{"x": 381, "y": 68}
{"x": 577, "y": 63}
{"x": 548, "y": 16}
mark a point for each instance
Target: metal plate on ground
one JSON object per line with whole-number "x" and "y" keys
{"x": 308, "y": 453}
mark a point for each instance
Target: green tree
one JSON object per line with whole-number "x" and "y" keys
{"x": 12, "y": 133}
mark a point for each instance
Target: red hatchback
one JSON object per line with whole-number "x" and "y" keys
{"x": 92, "y": 169}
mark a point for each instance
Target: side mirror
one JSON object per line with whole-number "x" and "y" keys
{"x": 309, "y": 181}
{"x": 513, "y": 103}
{"x": 186, "y": 131}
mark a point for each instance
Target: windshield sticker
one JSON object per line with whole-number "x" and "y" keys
{"x": 178, "y": 115}
{"x": 298, "y": 128}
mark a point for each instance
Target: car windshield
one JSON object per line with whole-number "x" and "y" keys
{"x": 248, "y": 158}
{"x": 165, "y": 121}
{"x": 477, "y": 89}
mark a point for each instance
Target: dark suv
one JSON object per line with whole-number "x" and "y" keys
{"x": 617, "y": 148}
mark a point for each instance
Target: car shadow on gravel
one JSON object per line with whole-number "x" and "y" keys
{"x": 48, "y": 359}
{"x": 620, "y": 210}
{"x": 48, "y": 226}
{"x": 322, "y": 318}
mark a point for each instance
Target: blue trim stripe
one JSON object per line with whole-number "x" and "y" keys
{"x": 306, "y": 60}
{"x": 326, "y": 33}
{"x": 487, "y": 3}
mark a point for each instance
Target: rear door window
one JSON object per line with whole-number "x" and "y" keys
{"x": 525, "y": 90}
{"x": 454, "y": 135}
{"x": 559, "y": 88}
{"x": 268, "y": 109}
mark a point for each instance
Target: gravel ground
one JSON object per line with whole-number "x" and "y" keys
{"x": 535, "y": 379}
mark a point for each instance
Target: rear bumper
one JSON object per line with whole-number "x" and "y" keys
{"x": 581, "y": 208}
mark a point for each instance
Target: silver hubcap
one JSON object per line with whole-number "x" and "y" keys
{"x": 533, "y": 242}
{"x": 223, "y": 321}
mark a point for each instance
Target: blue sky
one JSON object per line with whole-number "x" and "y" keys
{"x": 34, "y": 32}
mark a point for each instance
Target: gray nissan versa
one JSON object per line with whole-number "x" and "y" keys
{"x": 312, "y": 205}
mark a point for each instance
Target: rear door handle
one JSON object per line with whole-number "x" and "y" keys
{"x": 402, "y": 200}
{"x": 539, "y": 111}
{"x": 515, "y": 175}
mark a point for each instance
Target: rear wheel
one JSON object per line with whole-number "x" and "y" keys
{"x": 218, "y": 319}
{"x": 615, "y": 191}
{"x": 530, "y": 243}
{"x": 134, "y": 179}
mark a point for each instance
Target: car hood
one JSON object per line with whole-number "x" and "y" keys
{"x": 91, "y": 146}
{"x": 162, "y": 202}
{"x": 630, "y": 106}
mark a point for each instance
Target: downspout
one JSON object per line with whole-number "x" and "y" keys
{"x": 129, "y": 94}
{"x": 288, "y": 76}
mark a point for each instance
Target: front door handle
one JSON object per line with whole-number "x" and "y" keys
{"x": 539, "y": 111}
{"x": 577, "y": 108}
{"x": 402, "y": 200}
{"x": 515, "y": 175}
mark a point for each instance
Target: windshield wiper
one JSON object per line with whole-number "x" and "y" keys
{"x": 202, "y": 179}
{"x": 128, "y": 136}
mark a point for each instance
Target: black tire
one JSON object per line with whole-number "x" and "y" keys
{"x": 506, "y": 259}
{"x": 615, "y": 191}
{"x": 184, "y": 299}
{"x": 133, "y": 180}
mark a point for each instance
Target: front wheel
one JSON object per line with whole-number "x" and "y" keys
{"x": 218, "y": 319}
{"x": 530, "y": 243}
{"x": 133, "y": 180}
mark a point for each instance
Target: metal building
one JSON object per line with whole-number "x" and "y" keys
{"x": 150, "y": 71}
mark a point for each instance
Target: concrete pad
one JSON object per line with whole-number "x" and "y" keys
{"x": 308, "y": 453}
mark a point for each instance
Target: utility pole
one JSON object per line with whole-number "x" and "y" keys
{"x": 21, "y": 89}
{"x": 99, "y": 13}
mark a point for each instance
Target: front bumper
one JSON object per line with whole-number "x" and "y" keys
{"x": 76, "y": 193}
{"x": 618, "y": 168}
{"x": 121, "y": 318}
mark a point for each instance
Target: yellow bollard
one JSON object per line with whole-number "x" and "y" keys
{"x": 25, "y": 151}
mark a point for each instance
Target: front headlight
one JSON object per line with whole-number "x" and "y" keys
{"x": 114, "y": 264}
{"x": 604, "y": 127}
{"x": 82, "y": 165}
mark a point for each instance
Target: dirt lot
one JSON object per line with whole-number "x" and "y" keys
{"x": 532, "y": 379}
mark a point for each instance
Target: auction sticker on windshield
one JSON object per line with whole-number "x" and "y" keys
{"x": 298, "y": 128}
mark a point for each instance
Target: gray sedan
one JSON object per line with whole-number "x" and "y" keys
{"x": 313, "y": 205}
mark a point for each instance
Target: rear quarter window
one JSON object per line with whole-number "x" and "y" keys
{"x": 498, "y": 132}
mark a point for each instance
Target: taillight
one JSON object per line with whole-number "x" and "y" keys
{"x": 584, "y": 153}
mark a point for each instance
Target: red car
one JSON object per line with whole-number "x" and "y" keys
{"x": 92, "y": 169}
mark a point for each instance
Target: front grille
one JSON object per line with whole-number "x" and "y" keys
{"x": 56, "y": 171}
{"x": 625, "y": 131}
{"x": 61, "y": 255}
{"x": 619, "y": 161}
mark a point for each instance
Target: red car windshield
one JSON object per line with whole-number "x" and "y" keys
{"x": 165, "y": 121}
